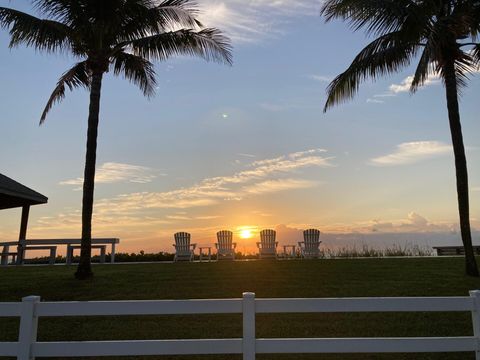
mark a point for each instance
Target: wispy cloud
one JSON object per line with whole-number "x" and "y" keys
{"x": 402, "y": 87}
{"x": 211, "y": 191}
{"x": 258, "y": 177}
{"x": 270, "y": 186}
{"x": 412, "y": 152}
{"x": 406, "y": 83}
{"x": 247, "y": 21}
{"x": 208, "y": 217}
{"x": 112, "y": 172}
{"x": 321, "y": 78}
{"x": 375, "y": 101}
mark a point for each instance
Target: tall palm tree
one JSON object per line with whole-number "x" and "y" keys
{"x": 442, "y": 35}
{"x": 120, "y": 35}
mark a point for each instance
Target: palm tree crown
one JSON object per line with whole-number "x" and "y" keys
{"x": 435, "y": 31}
{"x": 120, "y": 35}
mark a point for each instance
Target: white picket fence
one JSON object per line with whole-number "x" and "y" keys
{"x": 30, "y": 309}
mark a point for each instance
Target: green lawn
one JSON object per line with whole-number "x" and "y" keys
{"x": 322, "y": 278}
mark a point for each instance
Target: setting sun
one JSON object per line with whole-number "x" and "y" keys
{"x": 246, "y": 234}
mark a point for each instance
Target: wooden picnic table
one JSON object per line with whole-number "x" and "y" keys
{"x": 51, "y": 244}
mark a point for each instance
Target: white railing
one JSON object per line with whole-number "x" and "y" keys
{"x": 30, "y": 309}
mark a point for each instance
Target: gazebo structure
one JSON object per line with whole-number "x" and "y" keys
{"x": 14, "y": 195}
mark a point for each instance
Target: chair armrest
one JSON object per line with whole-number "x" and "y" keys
{"x": 276, "y": 243}
{"x": 216, "y": 246}
{"x": 300, "y": 243}
{"x": 234, "y": 245}
{"x": 258, "y": 244}
{"x": 193, "y": 246}
{"x": 175, "y": 246}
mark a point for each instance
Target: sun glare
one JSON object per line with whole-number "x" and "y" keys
{"x": 246, "y": 234}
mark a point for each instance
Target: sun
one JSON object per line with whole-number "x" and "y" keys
{"x": 246, "y": 234}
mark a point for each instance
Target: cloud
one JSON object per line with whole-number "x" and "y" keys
{"x": 321, "y": 78}
{"x": 254, "y": 179}
{"x": 375, "y": 101}
{"x": 413, "y": 223}
{"x": 404, "y": 86}
{"x": 112, "y": 172}
{"x": 383, "y": 95}
{"x": 258, "y": 177}
{"x": 177, "y": 217}
{"x": 270, "y": 186}
{"x": 412, "y": 152}
{"x": 249, "y": 21}
{"x": 476, "y": 188}
{"x": 208, "y": 217}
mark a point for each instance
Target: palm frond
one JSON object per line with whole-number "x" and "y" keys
{"x": 179, "y": 12}
{"x": 142, "y": 21}
{"x": 476, "y": 54}
{"x": 208, "y": 44}
{"x": 77, "y": 76}
{"x": 46, "y": 35}
{"x": 376, "y": 16}
{"x": 136, "y": 69}
{"x": 423, "y": 70}
{"x": 384, "y": 55}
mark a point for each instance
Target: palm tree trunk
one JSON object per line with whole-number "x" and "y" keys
{"x": 84, "y": 270}
{"x": 460, "y": 166}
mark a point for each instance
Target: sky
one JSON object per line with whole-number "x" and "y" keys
{"x": 245, "y": 147}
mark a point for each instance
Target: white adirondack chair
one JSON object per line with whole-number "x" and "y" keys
{"x": 309, "y": 247}
{"x": 183, "y": 249}
{"x": 267, "y": 247}
{"x": 225, "y": 245}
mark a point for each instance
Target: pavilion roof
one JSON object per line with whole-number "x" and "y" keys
{"x": 13, "y": 194}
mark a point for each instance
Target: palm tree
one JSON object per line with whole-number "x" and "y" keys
{"x": 442, "y": 35}
{"x": 120, "y": 35}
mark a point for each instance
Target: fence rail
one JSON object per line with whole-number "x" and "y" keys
{"x": 30, "y": 309}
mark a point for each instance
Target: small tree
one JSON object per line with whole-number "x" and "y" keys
{"x": 120, "y": 35}
{"x": 440, "y": 32}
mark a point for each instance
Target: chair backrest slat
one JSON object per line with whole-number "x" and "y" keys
{"x": 267, "y": 238}
{"x": 311, "y": 238}
{"x": 225, "y": 239}
{"x": 182, "y": 241}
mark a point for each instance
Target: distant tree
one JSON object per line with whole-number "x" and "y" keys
{"x": 119, "y": 35}
{"x": 442, "y": 34}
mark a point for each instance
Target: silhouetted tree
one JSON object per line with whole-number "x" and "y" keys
{"x": 442, "y": 35}
{"x": 119, "y": 35}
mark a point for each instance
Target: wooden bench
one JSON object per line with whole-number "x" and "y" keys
{"x": 71, "y": 248}
{"x": 53, "y": 251}
{"x": 454, "y": 250}
{"x": 5, "y": 255}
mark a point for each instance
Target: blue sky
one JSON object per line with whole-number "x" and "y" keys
{"x": 246, "y": 146}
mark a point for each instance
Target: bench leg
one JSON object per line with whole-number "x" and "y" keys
{"x": 102, "y": 254}
{"x": 112, "y": 255}
{"x": 69, "y": 255}
{"x": 53, "y": 255}
{"x": 4, "y": 259}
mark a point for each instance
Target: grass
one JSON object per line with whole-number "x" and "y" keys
{"x": 322, "y": 278}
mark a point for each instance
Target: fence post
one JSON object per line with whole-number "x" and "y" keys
{"x": 28, "y": 328}
{"x": 248, "y": 342}
{"x": 475, "y": 294}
